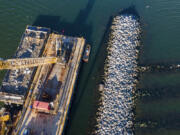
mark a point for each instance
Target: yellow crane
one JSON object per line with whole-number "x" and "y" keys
{"x": 26, "y": 62}
{"x": 3, "y": 119}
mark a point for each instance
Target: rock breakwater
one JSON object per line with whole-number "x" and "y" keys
{"x": 115, "y": 115}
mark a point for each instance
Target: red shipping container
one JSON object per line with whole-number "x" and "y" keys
{"x": 41, "y": 105}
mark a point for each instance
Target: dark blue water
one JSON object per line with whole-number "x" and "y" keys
{"x": 89, "y": 18}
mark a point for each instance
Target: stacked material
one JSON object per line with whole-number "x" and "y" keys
{"x": 16, "y": 82}
{"x": 115, "y": 114}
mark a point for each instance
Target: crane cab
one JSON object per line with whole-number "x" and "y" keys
{"x": 4, "y": 117}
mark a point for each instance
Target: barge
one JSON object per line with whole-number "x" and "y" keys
{"x": 47, "y": 95}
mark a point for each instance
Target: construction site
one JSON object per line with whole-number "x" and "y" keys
{"x": 41, "y": 78}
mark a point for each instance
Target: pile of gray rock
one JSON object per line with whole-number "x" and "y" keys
{"x": 115, "y": 114}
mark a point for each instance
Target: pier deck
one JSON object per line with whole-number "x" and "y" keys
{"x": 56, "y": 81}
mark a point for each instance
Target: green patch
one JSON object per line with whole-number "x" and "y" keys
{"x": 1, "y": 104}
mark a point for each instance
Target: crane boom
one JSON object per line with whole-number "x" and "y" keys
{"x": 26, "y": 62}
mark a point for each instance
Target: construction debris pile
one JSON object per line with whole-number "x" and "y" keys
{"x": 16, "y": 82}
{"x": 115, "y": 113}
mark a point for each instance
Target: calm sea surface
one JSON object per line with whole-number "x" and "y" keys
{"x": 158, "y": 107}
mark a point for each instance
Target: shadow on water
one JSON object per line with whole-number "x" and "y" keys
{"x": 77, "y": 28}
{"x": 71, "y": 29}
{"x": 130, "y": 10}
{"x": 100, "y": 59}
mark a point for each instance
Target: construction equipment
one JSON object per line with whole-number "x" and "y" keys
{"x": 3, "y": 119}
{"x": 26, "y": 62}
